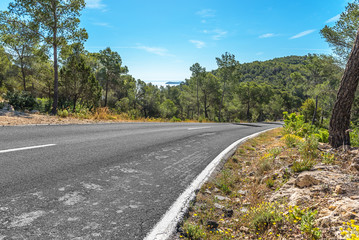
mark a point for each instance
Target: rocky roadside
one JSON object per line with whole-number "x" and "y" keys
{"x": 268, "y": 190}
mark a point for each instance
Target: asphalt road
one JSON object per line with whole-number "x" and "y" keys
{"x": 101, "y": 181}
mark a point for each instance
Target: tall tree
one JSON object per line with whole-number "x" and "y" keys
{"x": 226, "y": 66}
{"x": 341, "y": 36}
{"x": 20, "y": 40}
{"x": 78, "y": 81}
{"x": 340, "y": 119}
{"x": 4, "y": 66}
{"x": 198, "y": 73}
{"x": 111, "y": 69}
{"x": 58, "y": 24}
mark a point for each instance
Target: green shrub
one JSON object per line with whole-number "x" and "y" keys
{"x": 21, "y": 100}
{"x": 193, "y": 232}
{"x": 308, "y": 149}
{"x": 63, "y": 113}
{"x": 44, "y": 105}
{"x": 225, "y": 181}
{"x": 175, "y": 119}
{"x": 264, "y": 216}
{"x": 307, "y": 225}
{"x": 322, "y": 135}
{"x": 303, "y": 165}
{"x": 292, "y": 140}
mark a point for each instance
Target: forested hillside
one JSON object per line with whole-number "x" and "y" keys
{"x": 79, "y": 82}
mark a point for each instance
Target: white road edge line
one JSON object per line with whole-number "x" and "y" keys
{"x": 195, "y": 128}
{"x": 26, "y": 148}
{"x": 168, "y": 223}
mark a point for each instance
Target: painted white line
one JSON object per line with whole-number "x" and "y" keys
{"x": 195, "y": 128}
{"x": 26, "y": 148}
{"x": 167, "y": 225}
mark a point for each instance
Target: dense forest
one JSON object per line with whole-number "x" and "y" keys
{"x": 48, "y": 69}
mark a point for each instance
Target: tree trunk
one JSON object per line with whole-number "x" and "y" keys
{"x": 220, "y": 106}
{"x": 197, "y": 101}
{"x": 106, "y": 91}
{"x": 56, "y": 74}
{"x": 56, "y": 82}
{"x": 205, "y": 106}
{"x": 340, "y": 119}
{"x": 315, "y": 110}
{"x": 23, "y": 74}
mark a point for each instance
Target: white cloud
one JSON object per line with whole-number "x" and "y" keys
{"x": 302, "y": 34}
{"x": 259, "y": 53}
{"x": 155, "y": 50}
{"x": 101, "y": 24}
{"x": 333, "y": 19}
{"x": 206, "y": 13}
{"x": 197, "y": 43}
{"x": 267, "y": 35}
{"x": 95, "y": 4}
{"x": 217, "y": 34}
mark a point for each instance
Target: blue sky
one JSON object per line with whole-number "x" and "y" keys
{"x": 160, "y": 39}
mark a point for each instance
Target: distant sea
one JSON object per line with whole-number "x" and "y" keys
{"x": 165, "y": 83}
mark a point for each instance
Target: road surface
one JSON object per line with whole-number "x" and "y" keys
{"x": 101, "y": 181}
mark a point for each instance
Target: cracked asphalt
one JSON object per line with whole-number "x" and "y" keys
{"x": 102, "y": 181}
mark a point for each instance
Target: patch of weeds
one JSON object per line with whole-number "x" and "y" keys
{"x": 241, "y": 151}
{"x": 305, "y": 218}
{"x": 193, "y": 232}
{"x": 328, "y": 158}
{"x": 291, "y": 140}
{"x": 270, "y": 182}
{"x": 63, "y": 113}
{"x": 225, "y": 181}
{"x": 265, "y": 163}
{"x": 308, "y": 149}
{"x": 275, "y": 151}
{"x": 302, "y": 165}
{"x": 265, "y": 215}
{"x": 249, "y": 148}
{"x": 307, "y": 225}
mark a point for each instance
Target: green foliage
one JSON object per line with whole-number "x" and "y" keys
{"x": 302, "y": 165}
{"x": 307, "y": 110}
{"x": 327, "y": 158}
{"x": 225, "y": 181}
{"x": 168, "y": 109}
{"x": 21, "y": 100}
{"x": 264, "y": 216}
{"x": 44, "y": 105}
{"x": 292, "y": 140}
{"x": 341, "y": 36}
{"x": 174, "y": 119}
{"x": 193, "y": 232}
{"x": 354, "y": 137}
{"x": 322, "y": 135}
{"x": 63, "y": 113}
{"x": 308, "y": 148}
{"x": 307, "y": 225}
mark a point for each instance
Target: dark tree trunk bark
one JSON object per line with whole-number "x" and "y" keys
{"x": 23, "y": 74}
{"x": 56, "y": 83}
{"x": 340, "y": 119}
{"x": 106, "y": 92}
{"x": 221, "y": 104}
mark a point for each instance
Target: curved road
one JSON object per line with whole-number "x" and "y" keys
{"x": 102, "y": 181}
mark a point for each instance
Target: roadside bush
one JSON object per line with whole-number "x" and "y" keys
{"x": 21, "y": 100}
{"x": 44, "y": 105}
{"x": 63, "y": 113}
{"x": 175, "y": 119}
